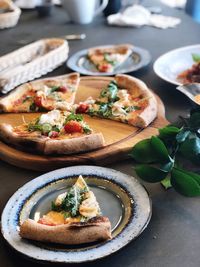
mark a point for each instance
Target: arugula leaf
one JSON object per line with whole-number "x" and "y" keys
{"x": 74, "y": 117}
{"x": 54, "y": 88}
{"x": 196, "y": 58}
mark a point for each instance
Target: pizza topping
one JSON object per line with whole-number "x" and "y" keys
{"x": 77, "y": 204}
{"x": 73, "y": 127}
{"x": 82, "y": 108}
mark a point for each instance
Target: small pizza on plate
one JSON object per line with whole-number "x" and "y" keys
{"x": 75, "y": 218}
{"x": 56, "y": 132}
{"x": 106, "y": 59}
{"x": 42, "y": 95}
{"x": 125, "y": 99}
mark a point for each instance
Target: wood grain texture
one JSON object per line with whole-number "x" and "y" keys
{"x": 119, "y": 137}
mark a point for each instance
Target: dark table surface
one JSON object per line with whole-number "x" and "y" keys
{"x": 172, "y": 237}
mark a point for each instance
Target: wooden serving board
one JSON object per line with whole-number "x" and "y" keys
{"x": 119, "y": 137}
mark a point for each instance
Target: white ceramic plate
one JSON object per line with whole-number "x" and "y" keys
{"x": 121, "y": 197}
{"x": 169, "y": 65}
{"x": 138, "y": 59}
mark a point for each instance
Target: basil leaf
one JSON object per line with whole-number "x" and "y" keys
{"x": 54, "y": 88}
{"x": 150, "y": 174}
{"x": 182, "y": 135}
{"x": 160, "y": 149}
{"x": 196, "y": 58}
{"x": 166, "y": 183}
{"x": 184, "y": 183}
{"x": 142, "y": 152}
{"x": 113, "y": 89}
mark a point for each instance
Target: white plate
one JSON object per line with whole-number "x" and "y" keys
{"x": 171, "y": 64}
{"x": 122, "y": 198}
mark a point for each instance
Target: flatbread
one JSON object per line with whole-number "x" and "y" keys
{"x": 132, "y": 103}
{"x": 96, "y": 229}
{"x": 106, "y": 59}
{"x": 37, "y": 142}
{"x": 42, "y": 95}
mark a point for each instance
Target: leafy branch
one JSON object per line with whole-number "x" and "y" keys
{"x": 159, "y": 156}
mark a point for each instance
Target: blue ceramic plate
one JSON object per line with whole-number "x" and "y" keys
{"x": 171, "y": 64}
{"x": 121, "y": 197}
{"x": 138, "y": 59}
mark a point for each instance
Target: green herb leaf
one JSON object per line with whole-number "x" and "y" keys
{"x": 184, "y": 183}
{"x": 106, "y": 58}
{"x": 168, "y": 166}
{"x": 196, "y": 58}
{"x": 87, "y": 129}
{"x": 142, "y": 152}
{"x": 33, "y": 107}
{"x": 27, "y": 98}
{"x": 74, "y": 117}
{"x": 159, "y": 149}
{"x": 194, "y": 121}
{"x": 54, "y": 88}
{"x": 46, "y": 128}
{"x": 150, "y": 174}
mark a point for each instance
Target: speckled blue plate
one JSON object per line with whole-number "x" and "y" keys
{"x": 121, "y": 197}
{"x": 138, "y": 59}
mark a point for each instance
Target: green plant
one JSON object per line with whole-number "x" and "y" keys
{"x": 159, "y": 156}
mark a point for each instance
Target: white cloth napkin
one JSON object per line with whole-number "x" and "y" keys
{"x": 138, "y": 16}
{"x": 174, "y": 3}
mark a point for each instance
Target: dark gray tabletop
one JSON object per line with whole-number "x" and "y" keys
{"x": 172, "y": 237}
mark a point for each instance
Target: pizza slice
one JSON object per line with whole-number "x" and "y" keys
{"x": 56, "y": 132}
{"x": 75, "y": 218}
{"x": 125, "y": 99}
{"x": 106, "y": 59}
{"x": 42, "y": 95}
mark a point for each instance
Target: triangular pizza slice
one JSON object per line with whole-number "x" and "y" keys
{"x": 125, "y": 99}
{"x": 75, "y": 218}
{"x": 106, "y": 59}
{"x": 56, "y": 132}
{"x": 42, "y": 95}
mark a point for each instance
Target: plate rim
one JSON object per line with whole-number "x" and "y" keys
{"x": 155, "y": 64}
{"x": 147, "y": 60}
{"x": 57, "y": 175}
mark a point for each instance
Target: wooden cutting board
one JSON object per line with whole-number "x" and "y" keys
{"x": 119, "y": 137}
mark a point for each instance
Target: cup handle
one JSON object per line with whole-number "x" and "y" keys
{"x": 101, "y": 7}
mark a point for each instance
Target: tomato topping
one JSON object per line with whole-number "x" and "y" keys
{"x": 43, "y": 221}
{"x": 105, "y": 67}
{"x": 82, "y": 108}
{"x": 63, "y": 89}
{"x": 38, "y": 101}
{"x": 53, "y": 134}
{"x": 73, "y": 127}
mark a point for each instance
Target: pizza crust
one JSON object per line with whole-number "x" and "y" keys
{"x": 96, "y": 229}
{"x": 121, "y": 49}
{"x": 137, "y": 88}
{"x": 35, "y": 142}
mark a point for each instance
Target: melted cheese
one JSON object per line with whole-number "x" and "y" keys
{"x": 54, "y": 217}
{"x": 89, "y": 207}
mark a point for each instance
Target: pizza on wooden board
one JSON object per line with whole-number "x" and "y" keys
{"x": 106, "y": 59}
{"x": 42, "y": 95}
{"x": 56, "y": 132}
{"x": 125, "y": 99}
{"x": 75, "y": 218}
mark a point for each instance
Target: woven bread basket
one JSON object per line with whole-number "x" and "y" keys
{"x": 11, "y": 15}
{"x": 31, "y": 61}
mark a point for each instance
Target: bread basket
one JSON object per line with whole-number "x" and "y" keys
{"x": 10, "y": 15}
{"x": 31, "y": 61}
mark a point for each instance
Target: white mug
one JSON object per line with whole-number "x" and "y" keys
{"x": 83, "y": 11}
